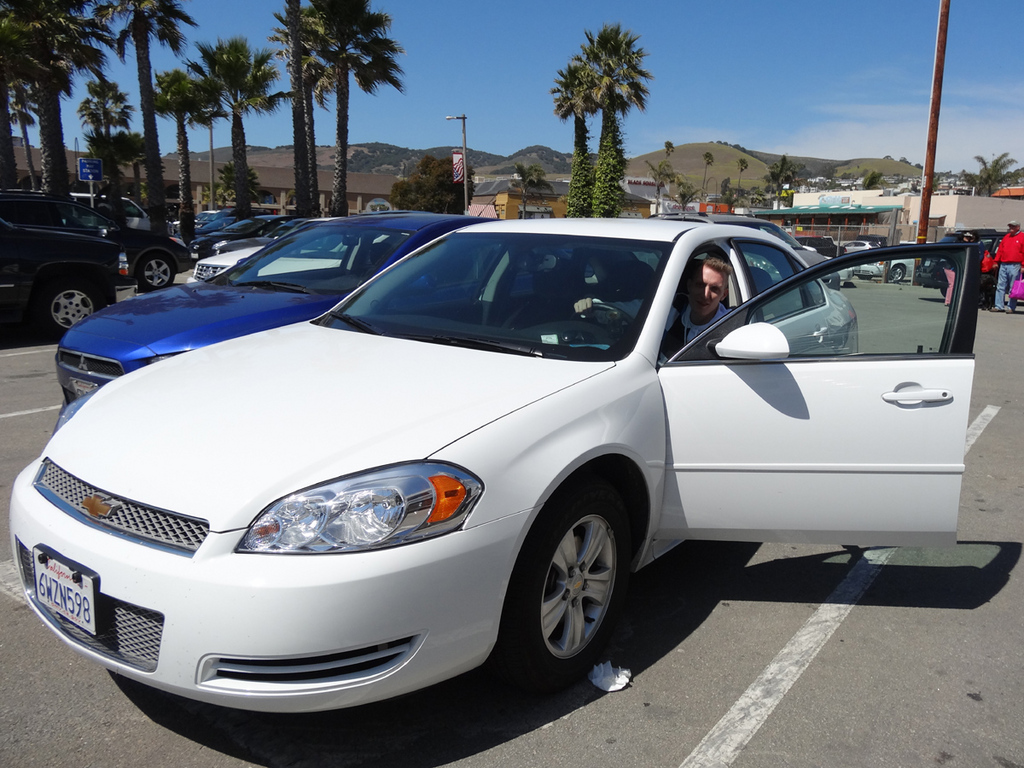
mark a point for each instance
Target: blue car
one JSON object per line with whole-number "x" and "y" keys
{"x": 296, "y": 278}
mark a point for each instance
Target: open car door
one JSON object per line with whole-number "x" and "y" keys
{"x": 817, "y": 414}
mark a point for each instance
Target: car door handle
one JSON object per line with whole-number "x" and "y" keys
{"x": 912, "y": 394}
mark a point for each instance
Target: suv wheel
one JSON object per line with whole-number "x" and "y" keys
{"x": 156, "y": 270}
{"x": 59, "y": 304}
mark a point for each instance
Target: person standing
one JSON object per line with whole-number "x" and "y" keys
{"x": 1009, "y": 256}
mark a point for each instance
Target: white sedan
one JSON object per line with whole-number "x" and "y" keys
{"x": 454, "y": 467}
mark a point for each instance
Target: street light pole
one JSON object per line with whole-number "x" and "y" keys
{"x": 465, "y": 162}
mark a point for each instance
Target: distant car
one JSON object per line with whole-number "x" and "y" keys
{"x": 205, "y": 241}
{"x": 859, "y": 245}
{"x": 824, "y": 245}
{"x": 227, "y": 253}
{"x": 135, "y": 217}
{"x": 892, "y": 270}
{"x": 454, "y": 466}
{"x": 753, "y": 223}
{"x": 153, "y": 259}
{"x": 298, "y": 277}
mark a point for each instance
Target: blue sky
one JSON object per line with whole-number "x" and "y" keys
{"x": 823, "y": 79}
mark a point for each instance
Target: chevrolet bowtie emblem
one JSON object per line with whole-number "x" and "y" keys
{"x": 99, "y": 506}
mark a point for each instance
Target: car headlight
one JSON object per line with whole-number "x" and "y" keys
{"x": 383, "y": 508}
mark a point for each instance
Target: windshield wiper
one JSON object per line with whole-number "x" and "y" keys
{"x": 357, "y": 323}
{"x": 491, "y": 345}
{"x": 294, "y": 287}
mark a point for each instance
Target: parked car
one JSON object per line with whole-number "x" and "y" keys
{"x": 882, "y": 268}
{"x": 135, "y": 217}
{"x": 747, "y": 221}
{"x": 859, "y": 245}
{"x": 56, "y": 279}
{"x": 298, "y": 277}
{"x": 254, "y": 226}
{"x": 153, "y": 259}
{"x": 454, "y": 466}
{"x": 229, "y": 252}
{"x": 824, "y": 245}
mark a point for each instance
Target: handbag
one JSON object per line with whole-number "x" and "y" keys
{"x": 1017, "y": 290}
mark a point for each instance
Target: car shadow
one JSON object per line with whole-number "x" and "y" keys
{"x": 668, "y": 601}
{"x": 22, "y": 335}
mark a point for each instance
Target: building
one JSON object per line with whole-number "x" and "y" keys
{"x": 507, "y": 201}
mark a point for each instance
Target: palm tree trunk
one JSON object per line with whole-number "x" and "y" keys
{"x": 339, "y": 199}
{"x": 581, "y": 178}
{"x": 51, "y": 141}
{"x": 154, "y": 168}
{"x": 313, "y": 165}
{"x": 186, "y": 206}
{"x": 303, "y": 203}
{"x": 8, "y": 164}
{"x": 243, "y": 205}
{"x": 29, "y": 163}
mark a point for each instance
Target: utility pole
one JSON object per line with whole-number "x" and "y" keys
{"x": 465, "y": 162}
{"x": 927, "y": 179}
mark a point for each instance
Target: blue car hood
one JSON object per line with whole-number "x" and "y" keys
{"x": 184, "y": 317}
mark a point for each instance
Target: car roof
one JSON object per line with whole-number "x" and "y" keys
{"x": 407, "y": 220}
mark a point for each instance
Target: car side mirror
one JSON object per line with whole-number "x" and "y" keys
{"x": 758, "y": 341}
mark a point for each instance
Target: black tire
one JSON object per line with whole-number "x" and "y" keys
{"x": 584, "y": 524}
{"x": 897, "y": 273}
{"x": 59, "y": 304}
{"x": 155, "y": 270}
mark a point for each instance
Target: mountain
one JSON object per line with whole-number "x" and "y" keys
{"x": 686, "y": 159}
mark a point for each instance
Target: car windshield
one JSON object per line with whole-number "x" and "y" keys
{"x": 325, "y": 259}
{"x": 575, "y": 298}
{"x": 244, "y": 226}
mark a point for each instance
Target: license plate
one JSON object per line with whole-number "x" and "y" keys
{"x": 65, "y": 590}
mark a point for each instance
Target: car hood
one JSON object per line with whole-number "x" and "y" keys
{"x": 183, "y": 317}
{"x": 257, "y": 418}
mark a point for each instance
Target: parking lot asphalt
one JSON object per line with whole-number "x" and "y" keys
{"x": 740, "y": 654}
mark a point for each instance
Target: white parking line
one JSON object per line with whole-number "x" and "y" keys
{"x": 9, "y": 580}
{"x": 29, "y": 412}
{"x": 47, "y": 350}
{"x": 723, "y": 743}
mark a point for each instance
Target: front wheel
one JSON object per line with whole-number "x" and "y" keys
{"x": 155, "y": 270}
{"x": 897, "y": 272}
{"x": 567, "y": 589}
{"x": 59, "y": 304}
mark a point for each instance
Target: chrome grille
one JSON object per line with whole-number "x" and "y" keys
{"x": 146, "y": 524}
{"x": 90, "y": 363}
{"x": 345, "y": 665}
{"x": 206, "y": 271}
{"x": 127, "y": 633}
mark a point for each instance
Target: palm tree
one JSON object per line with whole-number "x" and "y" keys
{"x": 742, "y": 165}
{"x": 182, "y": 98}
{"x": 530, "y": 181}
{"x": 992, "y": 175}
{"x": 686, "y": 191}
{"x": 618, "y": 86}
{"x": 242, "y": 77}
{"x": 353, "y": 42}
{"x": 14, "y": 68}
{"x": 709, "y": 160}
{"x": 143, "y": 20}
{"x": 108, "y": 114}
{"x": 663, "y": 175}
{"x": 63, "y": 41}
{"x": 574, "y": 97}
{"x": 21, "y": 113}
{"x": 872, "y": 180}
{"x": 296, "y": 53}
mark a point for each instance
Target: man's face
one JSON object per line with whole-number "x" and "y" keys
{"x": 706, "y": 289}
{"x": 1014, "y": 230}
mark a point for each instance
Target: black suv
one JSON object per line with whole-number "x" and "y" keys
{"x": 153, "y": 259}
{"x": 57, "y": 278}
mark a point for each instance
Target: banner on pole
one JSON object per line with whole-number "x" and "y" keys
{"x": 458, "y": 166}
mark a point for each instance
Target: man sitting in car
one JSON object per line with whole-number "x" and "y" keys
{"x": 706, "y": 284}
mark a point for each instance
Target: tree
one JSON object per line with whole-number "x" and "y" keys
{"x": 63, "y": 41}
{"x": 183, "y": 99}
{"x": 229, "y": 183}
{"x": 242, "y": 77}
{"x": 108, "y": 114}
{"x": 145, "y": 19}
{"x": 709, "y": 160}
{"x": 530, "y": 181}
{"x": 993, "y": 174}
{"x": 663, "y": 175}
{"x": 431, "y": 187}
{"x": 686, "y": 191}
{"x": 574, "y": 97}
{"x": 872, "y": 180}
{"x": 353, "y": 42}
{"x": 21, "y": 113}
{"x": 781, "y": 173}
{"x": 618, "y": 87}
{"x": 15, "y": 68}
{"x": 742, "y": 165}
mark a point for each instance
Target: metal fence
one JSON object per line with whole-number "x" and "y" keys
{"x": 841, "y": 234}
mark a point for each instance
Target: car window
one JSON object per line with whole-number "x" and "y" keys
{"x": 25, "y": 212}
{"x": 766, "y": 264}
{"x": 72, "y": 215}
{"x": 875, "y": 319}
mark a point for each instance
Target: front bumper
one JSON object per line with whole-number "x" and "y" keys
{"x": 277, "y": 633}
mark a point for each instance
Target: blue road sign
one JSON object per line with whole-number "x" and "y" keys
{"x": 90, "y": 169}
